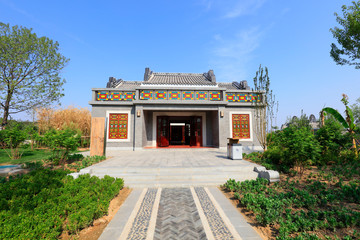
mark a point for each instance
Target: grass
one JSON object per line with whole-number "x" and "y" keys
{"x": 27, "y": 156}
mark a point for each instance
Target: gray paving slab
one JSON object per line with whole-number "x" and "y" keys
{"x": 161, "y": 158}
{"x": 244, "y": 229}
{"x": 177, "y": 216}
{"x": 114, "y": 229}
{"x": 173, "y": 168}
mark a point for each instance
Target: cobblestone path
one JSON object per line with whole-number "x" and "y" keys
{"x": 178, "y": 217}
{"x": 178, "y": 213}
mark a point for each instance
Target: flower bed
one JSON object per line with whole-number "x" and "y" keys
{"x": 323, "y": 203}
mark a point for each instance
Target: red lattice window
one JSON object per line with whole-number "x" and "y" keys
{"x": 118, "y": 125}
{"x": 240, "y": 126}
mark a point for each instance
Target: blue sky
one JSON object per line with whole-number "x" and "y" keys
{"x": 121, "y": 38}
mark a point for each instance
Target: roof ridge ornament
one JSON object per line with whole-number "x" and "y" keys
{"x": 113, "y": 82}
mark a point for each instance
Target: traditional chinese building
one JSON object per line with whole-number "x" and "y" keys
{"x": 173, "y": 109}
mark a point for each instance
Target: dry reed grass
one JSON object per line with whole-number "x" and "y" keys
{"x": 71, "y": 117}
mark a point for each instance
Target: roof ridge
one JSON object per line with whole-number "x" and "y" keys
{"x": 177, "y": 74}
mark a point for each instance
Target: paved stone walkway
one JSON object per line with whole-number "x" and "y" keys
{"x": 178, "y": 213}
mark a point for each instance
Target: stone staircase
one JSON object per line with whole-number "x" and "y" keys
{"x": 174, "y": 176}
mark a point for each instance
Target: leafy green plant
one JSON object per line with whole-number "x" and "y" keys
{"x": 43, "y": 203}
{"x": 348, "y": 122}
{"x": 62, "y": 143}
{"x": 12, "y": 137}
{"x": 331, "y": 140}
{"x": 294, "y": 146}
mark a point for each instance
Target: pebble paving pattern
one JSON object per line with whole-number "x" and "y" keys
{"x": 217, "y": 225}
{"x": 177, "y": 216}
{"x": 142, "y": 219}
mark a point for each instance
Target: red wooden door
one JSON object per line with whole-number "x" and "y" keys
{"x": 162, "y": 136}
{"x": 196, "y": 132}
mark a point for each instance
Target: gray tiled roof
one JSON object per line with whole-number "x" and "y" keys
{"x": 228, "y": 86}
{"x": 190, "y": 79}
{"x": 179, "y": 79}
{"x": 129, "y": 85}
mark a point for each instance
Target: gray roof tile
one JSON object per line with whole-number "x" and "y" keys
{"x": 179, "y": 79}
{"x": 190, "y": 79}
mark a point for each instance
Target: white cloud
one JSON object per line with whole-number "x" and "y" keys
{"x": 231, "y": 55}
{"x": 244, "y": 7}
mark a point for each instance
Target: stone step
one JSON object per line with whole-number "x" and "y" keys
{"x": 170, "y": 170}
{"x": 135, "y": 180}
{"x": 180, "y": 183}
{"x": 179, "y": 177}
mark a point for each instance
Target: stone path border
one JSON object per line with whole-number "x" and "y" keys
{"x": 137, "y": 217}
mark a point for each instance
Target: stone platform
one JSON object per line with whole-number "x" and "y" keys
{"x": 173, "y": 167}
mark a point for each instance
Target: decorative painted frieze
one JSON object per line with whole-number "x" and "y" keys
{"x": 201, "y": 95}
{"x": 215, "y": 96}
{"x": 242, "y": 97}
{"x": 146, "y": 94}
{"x": 174, "y": 95}
{"x": 188, "y": 95}
{"x": 160, "y": 95}
{"x": 177, "y": 95}
{"x": 102, "y": 96}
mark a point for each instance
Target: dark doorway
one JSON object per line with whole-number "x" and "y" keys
{"x": 182, "y": 130}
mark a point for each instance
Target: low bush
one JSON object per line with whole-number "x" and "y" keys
{"x": 293, "y": 146}
{"x": 62, "y": 143}
{"x": 10, "y": 138}
{"x": 44, "y": 203}
{"x": 88, "y": 161}
{"x": 298, "y": 210}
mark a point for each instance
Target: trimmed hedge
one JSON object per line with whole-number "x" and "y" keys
{"x": 46, "y": 202}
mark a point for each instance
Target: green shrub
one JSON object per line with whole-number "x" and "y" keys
{"x": 11, "y": 137}
{"x": 62, "y": 143}
{"x": 332, "y": 140}
{"x": 43, "y": 203}
{"x": 293, "y": 146}
{"x": 76, "y": 156}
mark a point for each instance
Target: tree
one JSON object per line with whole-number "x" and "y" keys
{"x": 264, "y": 107}
{"x": 348, "y": 122}
{"x": 29, "y": 70}
{"x": 356, "y": 111}
{"x": 348, "y": 36}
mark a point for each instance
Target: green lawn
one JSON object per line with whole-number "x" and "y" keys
{"x": 27, "y": 156}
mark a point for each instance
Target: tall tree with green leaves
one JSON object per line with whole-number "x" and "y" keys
{"x": 30, "y": 69}
{"x": 348, "y": 122}
{"x": 347, "y": 36}
{"x": 264, "y": 112}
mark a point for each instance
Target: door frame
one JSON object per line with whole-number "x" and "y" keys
{"x": 160, "y": 128}
{"x": 174, "y": 114}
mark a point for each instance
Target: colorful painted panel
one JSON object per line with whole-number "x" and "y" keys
{"x": 174, "y": 95}
{"x": 160, "y": 95}
{"x": 215, "y": 96}
{"x": 242, "y": 97}
{"x": 102, "y": 96}
{"x": 231, "y": 97}
{"x": 146, "y": 94}
{"x": 128, "y": 96}
{"x": 114, "y": 96}
{"x": 201, "y": 95}
{"x": 247, "y": 97}
{"x": 241, "y": 126}
{"x": 118, "y": 125}
{"x": 188, "y": 95}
